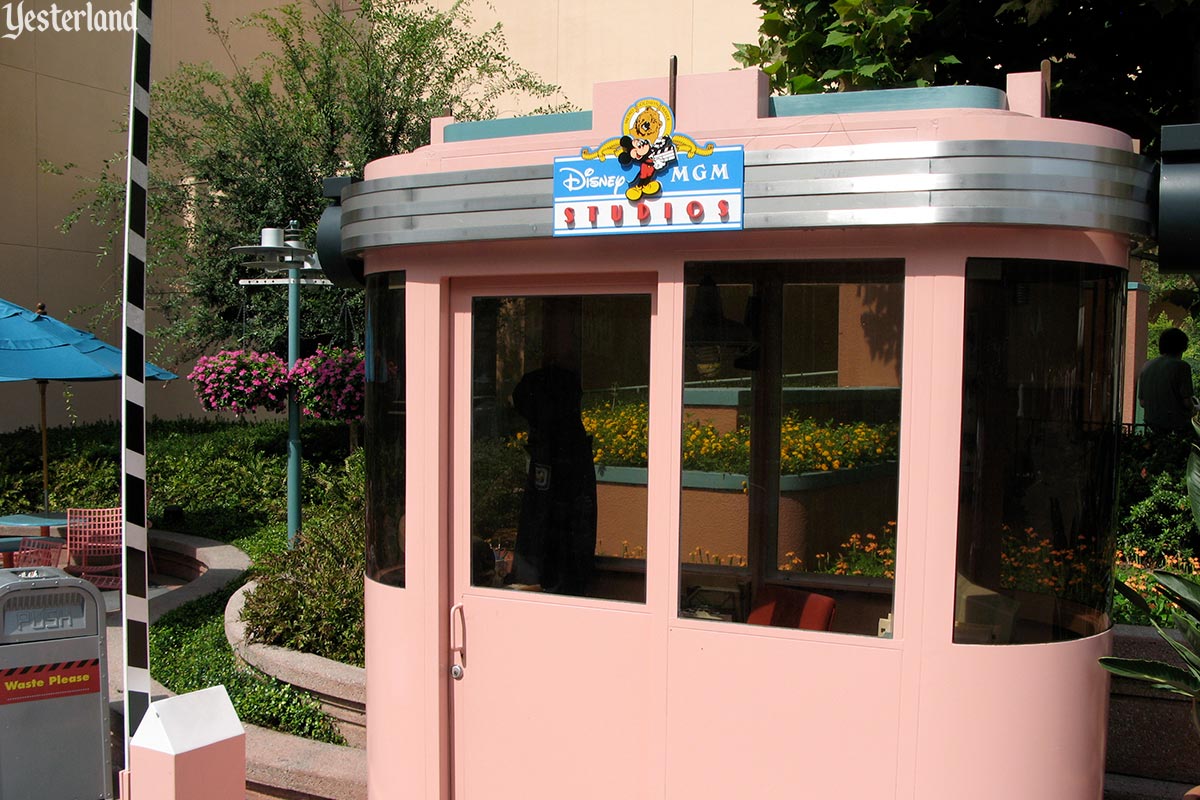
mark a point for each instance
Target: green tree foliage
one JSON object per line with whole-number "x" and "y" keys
{"x": 245, "y": 144}
{"x": 1182, "y": 291}
{"x": 817, "y": 46}
{"x": 1128, "y": 64}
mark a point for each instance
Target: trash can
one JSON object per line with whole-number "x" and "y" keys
{"x": 54, "y": 729}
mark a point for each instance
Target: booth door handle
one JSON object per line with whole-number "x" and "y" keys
{"x": 458, "y": 636}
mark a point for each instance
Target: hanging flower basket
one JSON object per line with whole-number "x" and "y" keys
{"x": 241, "y": 381}
{"x": 330, "y": 384}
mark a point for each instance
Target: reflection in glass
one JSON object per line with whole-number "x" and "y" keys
{"x": 1041, "y": 409}
{"x": 384, "y": 428}
{"x": 556, "y": 532}
{"x": 790, "y": 444}
{"x": 558, "y": 450}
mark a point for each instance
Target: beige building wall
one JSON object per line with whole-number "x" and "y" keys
{"x": 65, "y": 95}
{"x": 578, "y": 43}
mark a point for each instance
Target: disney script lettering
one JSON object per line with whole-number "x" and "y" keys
{"x": 573, "y": 180}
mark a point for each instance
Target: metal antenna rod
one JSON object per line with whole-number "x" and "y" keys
{"x": 673, "y": 72}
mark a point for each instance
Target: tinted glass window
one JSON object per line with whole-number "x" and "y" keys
{"x": 384, "y": 428}
{"x": 791, "y": 444}
{"x": 559, "y": 444}
{"x": 1041, "y": 409}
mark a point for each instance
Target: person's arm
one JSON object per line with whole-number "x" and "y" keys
{"x": 1183, "y": 386}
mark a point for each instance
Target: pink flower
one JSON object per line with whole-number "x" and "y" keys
{"x": 329, "y": 384}
{"x": 240, "y": 380}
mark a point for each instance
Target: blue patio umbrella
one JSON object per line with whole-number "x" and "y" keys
{"x": 37, "y": 347}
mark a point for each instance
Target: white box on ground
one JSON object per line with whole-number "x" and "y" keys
{"x": 189, "y": 746}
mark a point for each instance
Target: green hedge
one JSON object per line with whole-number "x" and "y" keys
{"x": 229, "y": 478}
{"x": 310, "y": 598}
{"x": 84, "y": 468}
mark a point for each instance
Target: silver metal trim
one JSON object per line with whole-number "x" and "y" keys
{"x": 490, "y": 175}
{"x": 988, "y": 182}
{"x": 1007, "y": 148}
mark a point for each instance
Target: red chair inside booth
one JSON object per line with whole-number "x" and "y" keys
{"x": 781, "y": 607}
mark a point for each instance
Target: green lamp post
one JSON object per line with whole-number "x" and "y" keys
{"x": 282, "y": 251}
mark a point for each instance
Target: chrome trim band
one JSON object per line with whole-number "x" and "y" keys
{"x": 980, "y": 182}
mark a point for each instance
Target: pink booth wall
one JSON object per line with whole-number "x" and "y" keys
{"x": 576, "y": 697}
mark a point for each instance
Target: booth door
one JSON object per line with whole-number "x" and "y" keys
{"x": 557, "y": 659}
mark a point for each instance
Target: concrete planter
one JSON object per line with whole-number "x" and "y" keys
{"x": 278, "y": 765}
{"x": 1150, "y": 733}
{"x": 341, "y": 689}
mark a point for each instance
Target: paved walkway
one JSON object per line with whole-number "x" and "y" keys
{"x": 159, "y": 586}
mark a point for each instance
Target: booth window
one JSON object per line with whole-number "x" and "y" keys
{"x": 1040, "y": 425}
{"x": 791, "y": 444}
{"x": 384, "y": 428}
{"x": 559, "y": 420}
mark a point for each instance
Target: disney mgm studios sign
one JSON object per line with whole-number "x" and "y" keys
{"x": 650, "y": 179}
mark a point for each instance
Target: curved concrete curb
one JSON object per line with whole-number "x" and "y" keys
{"x": 278, "y": 765}
{"x": 340, "y": 688}
{"x": 208, "y": 566}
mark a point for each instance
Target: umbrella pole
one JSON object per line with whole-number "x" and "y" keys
{"x": 45, "y": 452}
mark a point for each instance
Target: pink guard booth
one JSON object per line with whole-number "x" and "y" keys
{"x": 741, "y": 446}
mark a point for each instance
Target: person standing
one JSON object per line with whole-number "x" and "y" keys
{"x": 1165, "y": 386}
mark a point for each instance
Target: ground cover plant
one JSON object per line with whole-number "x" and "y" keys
{"x": 188, "y": 651}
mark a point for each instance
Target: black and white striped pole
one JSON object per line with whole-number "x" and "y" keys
{"x": 135, "y": 608}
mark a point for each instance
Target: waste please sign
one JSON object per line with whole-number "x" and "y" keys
{"x": 46, "y": 681}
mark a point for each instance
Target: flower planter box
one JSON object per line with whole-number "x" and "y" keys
{"x": 817, "y": 510}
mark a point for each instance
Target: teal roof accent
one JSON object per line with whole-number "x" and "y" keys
{"x": 786, "y": 106}
{"x": 801, "y": 105}
{"x": 518, "y": 126}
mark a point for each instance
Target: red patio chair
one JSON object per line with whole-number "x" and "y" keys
{"x": 39, "y": 551}
{"x": 780, "y": 607}
{"x": 94, "y": 545}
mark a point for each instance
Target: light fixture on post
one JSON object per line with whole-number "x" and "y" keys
{"x": 709, "y": 334}
{"x": 281, "y": 250}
